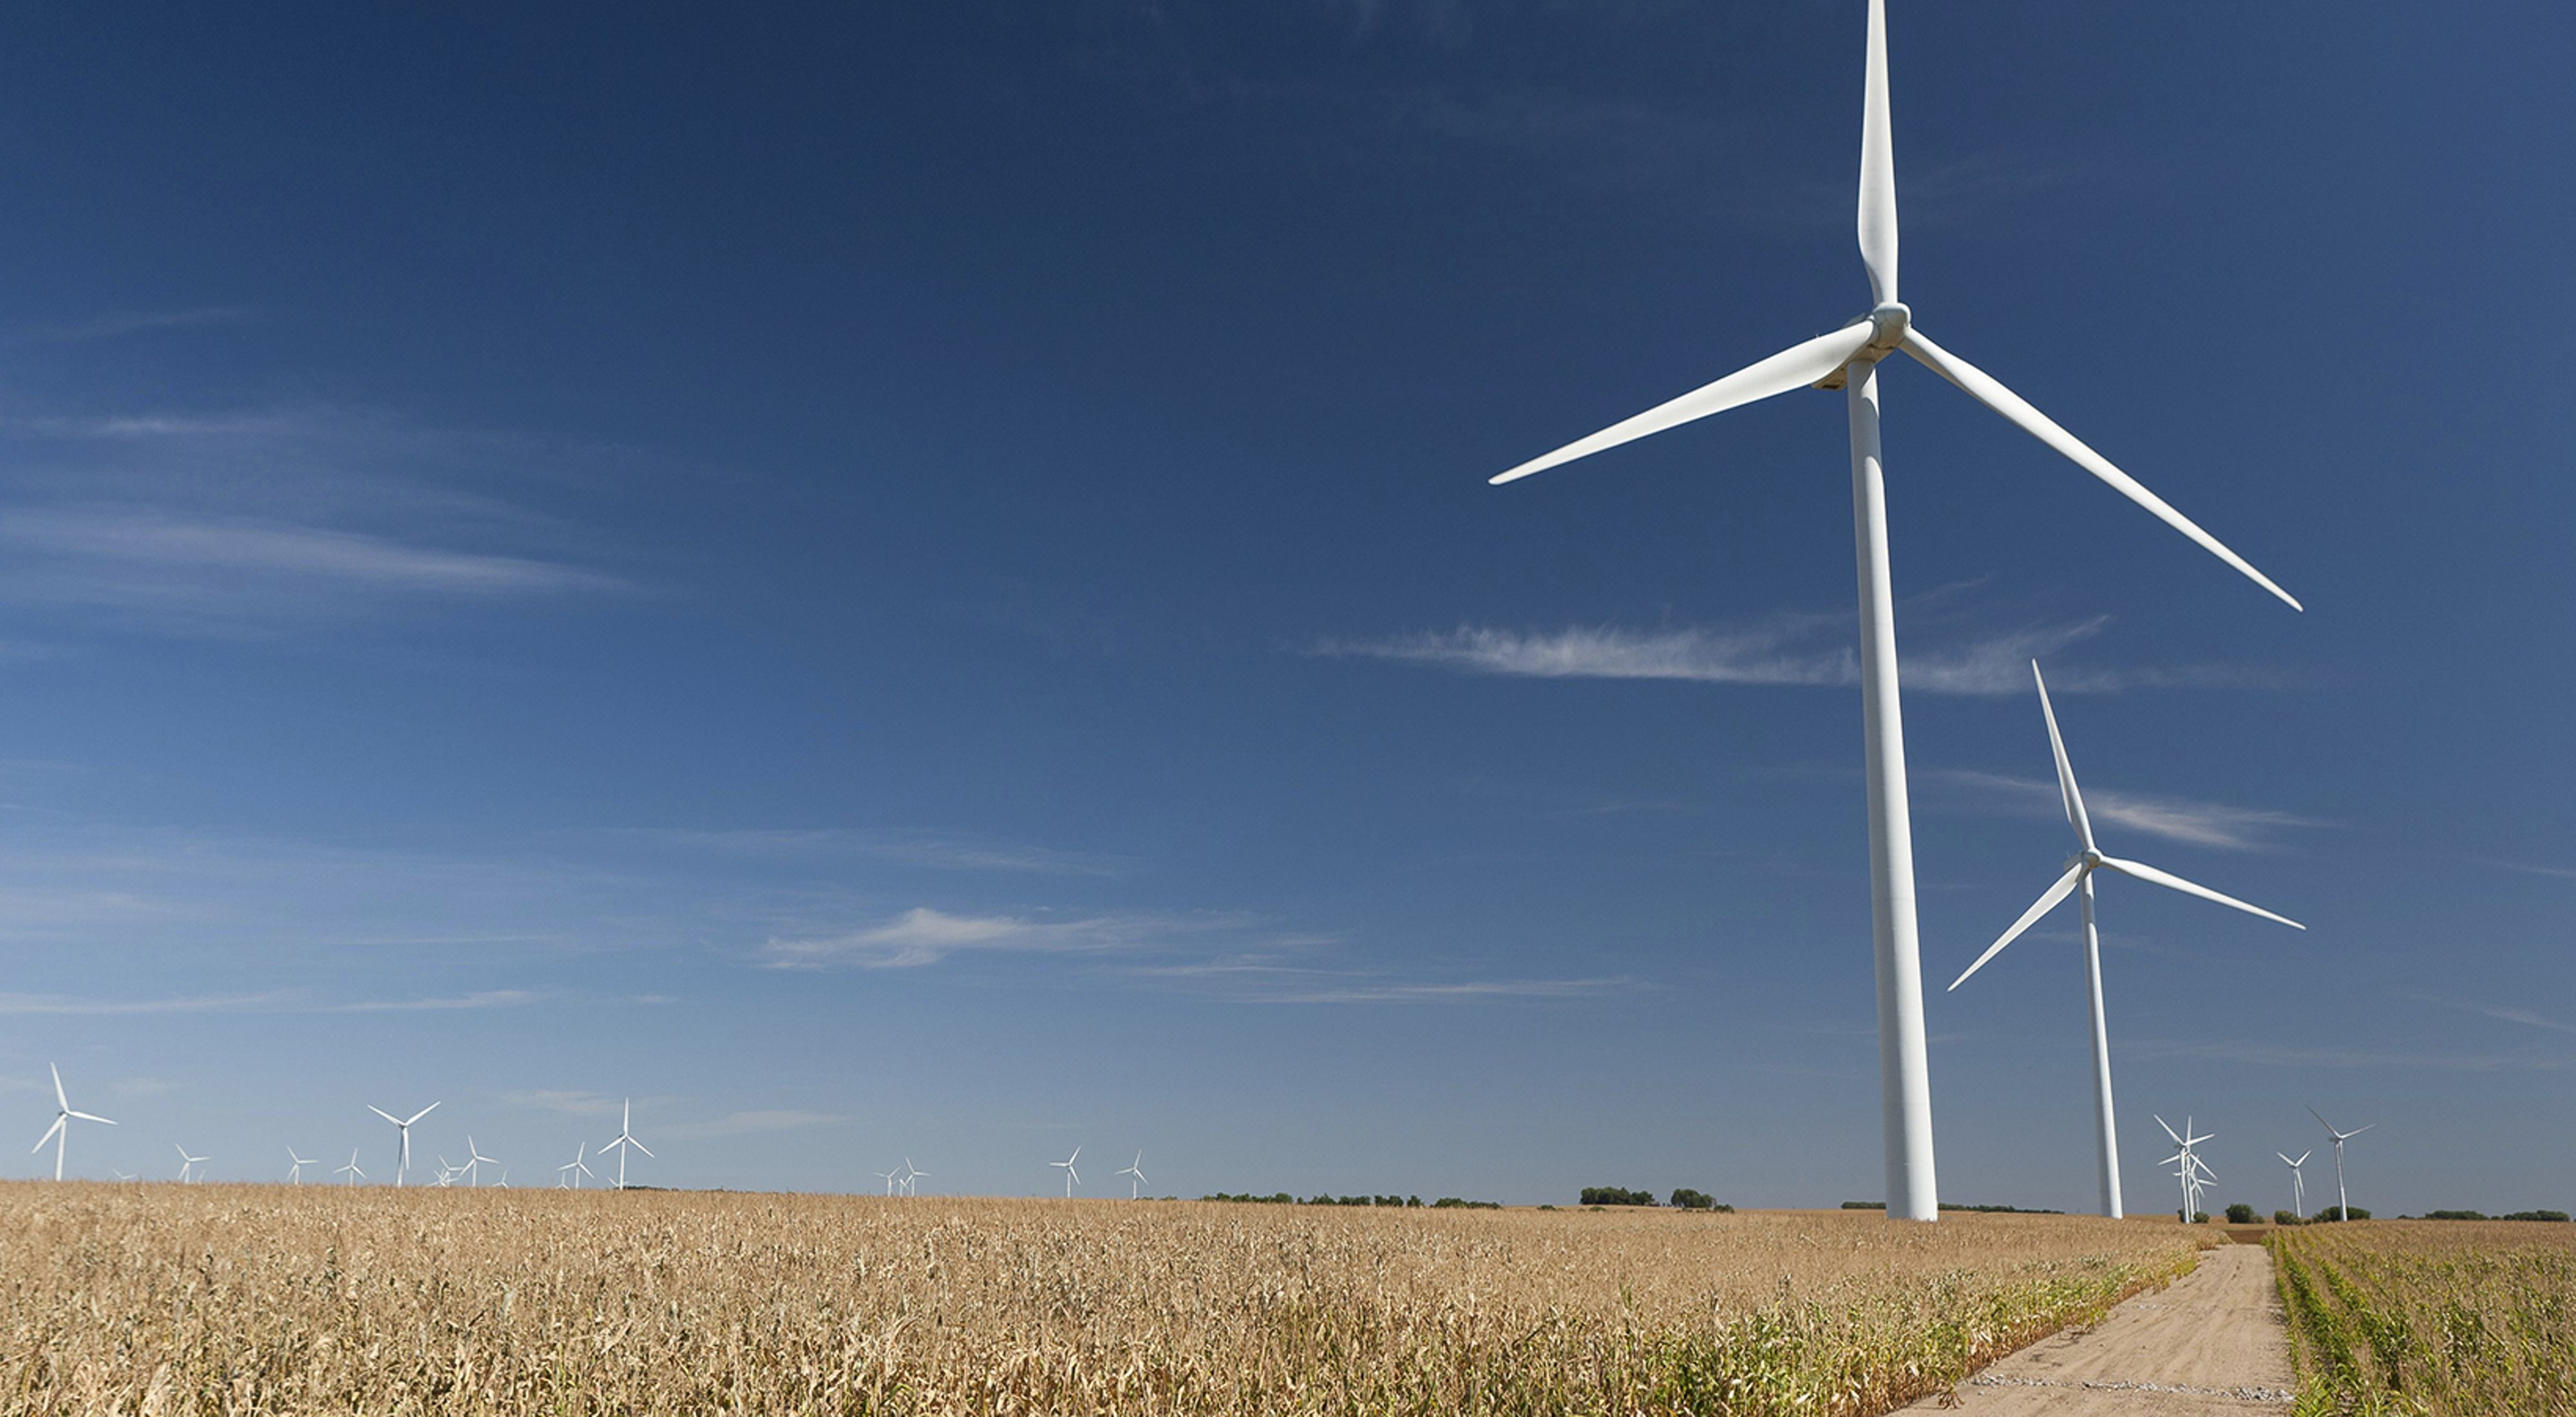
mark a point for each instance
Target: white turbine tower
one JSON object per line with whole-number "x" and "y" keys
{"x": 571, "y": 1172}
{"x": 625, "y": 1142}
{"x": 351, "y": 1170}
{"x": 1848, "y": 359}
{"x": 295, "y": 1173}
{"x": 1134, "y": 1169}
{"x": 61, "y": 1131}
{"x": 188, "y": 1164}
{"x": 1070, "y": 1175}
{"x": 402, "y": 1125}
{"x": 2298, "y": 1181}
{"x": 475, "y": 1161}
{"x": 2343, "y": 1207}
{"x": 2079, "y": 880}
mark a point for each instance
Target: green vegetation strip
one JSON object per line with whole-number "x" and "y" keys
{"x": 2434, "y": 1318}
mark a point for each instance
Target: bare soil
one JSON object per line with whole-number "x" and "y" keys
{"x": 2213, "y": 1342}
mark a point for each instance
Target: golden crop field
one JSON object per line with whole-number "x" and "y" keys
{"x": 2432, "y": 1316}
{"x": 170, "y": 1299}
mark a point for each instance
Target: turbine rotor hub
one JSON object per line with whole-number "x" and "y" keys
{"x": 1888, "y": 324}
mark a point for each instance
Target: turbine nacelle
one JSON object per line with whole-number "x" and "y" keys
{"x": 1888, "y": 324}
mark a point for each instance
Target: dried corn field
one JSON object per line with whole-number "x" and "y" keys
{"x": 167, "y": 1299}
{"x": 2432, "y": 1316}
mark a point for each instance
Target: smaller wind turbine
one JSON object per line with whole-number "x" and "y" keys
{"x": 295, "y": 1173}
{"x": 912, "y": 1177}
{"x": 2343, "y": 1207}
{"x": 475, "y": 1161}
{"x": 2298, "y": 1181}
{"x": 402, "y": 1125}
{"x": 2193, "y": 1171}
{"x": 1135, "y": 1168}
{"x": 446, "y": 1174}
{"x": 188, "y": 1164}
{"x": 1070, "y": 1175}
{"x": 504, "y": 1183}
{"x": 625, "y": 1142}
{"x": 351, "y": 1170}
{"x": 61, "y": 1131}
{"x": 122, "y": 1175}
{"x": 571, "y": 1172}
{"x": 889, "y": 1178}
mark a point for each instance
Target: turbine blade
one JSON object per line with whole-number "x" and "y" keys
{"x": 2357, "y": 1131}
{"x": 388, "y": 1116}
{"x": 639, "y": 1146}
{"x": 2170, "y": 881}
{"x": 2066, "y": 789}
{"x": 1878, "y": 167}
{"x": 89, "y": 1117}
{"x": 1793, "y": 368}
{"x": 2047, "y": 902}
{"x": 2321, "y": 1119}
{"x": 425, "y": 1111}
{"x": 2169, "y": 1131}
{"x": 48, "y": 1136}
{"x": 1983, "y": 387}
{"x": 60, "y": 1101}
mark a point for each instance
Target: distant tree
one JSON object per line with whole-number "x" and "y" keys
{"x": 1688, "y": 1199}
{"x": 1864, "y": 1205}
{"x": 1615, "y": 1195}
{"x": 2198, "y": 1217}
{"x": 2558, "y": 1215}
{"x": 2454, "y": 1215}
{"x": 1454, "y": 1203}
{"x": 2240, "y": 1214}
{"x": 2333, "y": 1213}
{"x": 1413, "y": 1201}
{"x": 2283, "y": 1217}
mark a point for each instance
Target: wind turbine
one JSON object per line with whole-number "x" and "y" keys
{"x": 572, "y": 1171}
{"x": 2079, "y": 879}
{"x": 625, "y": 1142}
{"x": 1070, "y": 1175}
{"x": 61, "y": 1131}
{"x": 188, "y": 1164}
{"x": 889, "y": 1178}
{"x": 1136, "y": 1187}
{"x": 123, "y": 1175}
{"x": 402, "y": 1125}
{"x": 475, "y": 1161}
{"x": 2193, "y": 1170}
{"x": 1848, "y": 359}
{"x": 2298, "y": 1181}
{"x": 351, "y": 1170}
{"x": 2343, "y": 1207}
{"x": 295, "y": 1173}
{"x": 912, "y": 1177}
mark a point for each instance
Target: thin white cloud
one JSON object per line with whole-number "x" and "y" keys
{"x": 566, "y": 1101}
{"x": 111, "y": 326}
{"x": 2353, "y": 1059}
{"x": 192, "y": 1004}
{"x": 2212, "y": 824}
{"x": 1787, "y": 650}
{"x": 2556, "y": 873}
{"x": 486, "y": 999}
{"x": 736, "y": 1124}
{"x": 2503, "y": 1012}
{"x": 922, "y": 936}
{"x": 934, "y": 850}
{"x": 1265, "y": 981}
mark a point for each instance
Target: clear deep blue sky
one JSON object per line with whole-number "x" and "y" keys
{"x": 921, "y": 583}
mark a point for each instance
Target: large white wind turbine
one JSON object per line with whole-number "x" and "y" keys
{"x": 1070, "y": 1175}
{"x": 475, "y": 1161}
{"x": 626, "y": 1142}
{"x": 402, "y": 1163}
{"x": 188, "y": 1164}
{"x": 1848, "y": 359}
{"x": 1135, "y": 1169}
{"x": 571, "y": 1172}
{"x": 60, "y": 1132}
{"x": 351, "y": 1170}
{"x": 295, "y": 1173}
{"x": 2343, "y": 1207}
{"x": 2298, "y": 1181}
{"x": 2079, "y": 880}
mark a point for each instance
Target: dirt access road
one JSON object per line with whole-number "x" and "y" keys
{"x": 2212, "y": 1342}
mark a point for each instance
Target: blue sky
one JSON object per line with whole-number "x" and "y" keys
{"x": 922, "y": 584}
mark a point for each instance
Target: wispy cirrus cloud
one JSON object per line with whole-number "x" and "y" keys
{"x": 2268, "y": 1055}
{"x": 942, "y": 851}
{"x": 922, "y": 936}
{"x": 111, "y": 326}
{"x": 2213, "y": 824}
{"x": 2503, "y": 1012}
{"x": 750, "y": 1123}
{"x": 1266, "y": 981}
{"x": 275, "y": 1001}
{"x": 2558, "y": 873}
{"x": 1800, "y": 649}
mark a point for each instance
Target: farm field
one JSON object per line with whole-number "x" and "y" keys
{"x": 2432, "y": 1316}
{"x": 213, "y": 1299}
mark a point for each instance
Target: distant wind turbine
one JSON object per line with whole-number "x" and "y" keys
{"x": 1070, "y": 1175}
{"x": 402, "y": 1125}
{"x": 121, "y": 1175}
{"x": 626, "y": 1142}
{"x": 2194, "y": 1171}
{"x": 571, "y": 1172}
{"x": 295, "y": 1173}
{"x": 1135, "y": 1169}
{"x": 475, "y": 1161}
{"x": 2343, "y": 1207}
{"x": 188, "y": 1164}
{"x": 351, "y": 1170}
{"x": 889, "y": 1178}
{"x": 2078, "y": 879}
{"x": 2298, "y": 1181}
{"x": 1848, "y": 359}
{"x": 60, "y": 1132}
{"x": 912, "y": 1177}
